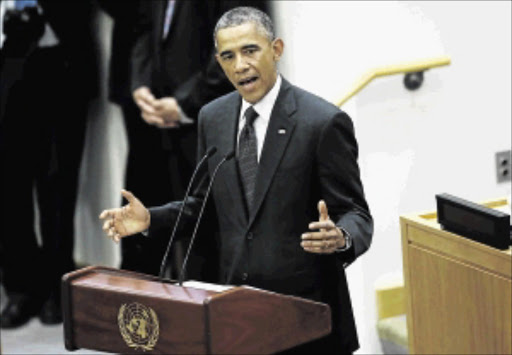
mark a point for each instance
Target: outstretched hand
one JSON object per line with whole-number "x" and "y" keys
{"x": 327, "y": 239}
{"x": 130, "y": 219}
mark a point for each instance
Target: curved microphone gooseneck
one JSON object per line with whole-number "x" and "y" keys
{"x": 208, "y": 154}
{"x": 183, "y": 267}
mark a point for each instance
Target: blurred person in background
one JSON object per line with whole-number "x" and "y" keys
{"x": 49, "y": 75}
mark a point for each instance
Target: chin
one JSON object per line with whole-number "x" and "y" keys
{"x": 253, "y": 98}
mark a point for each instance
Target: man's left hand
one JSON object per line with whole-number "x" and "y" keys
{"x": 327, "y": 239}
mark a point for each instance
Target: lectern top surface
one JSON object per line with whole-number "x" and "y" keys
{"x": 117, "y": 282}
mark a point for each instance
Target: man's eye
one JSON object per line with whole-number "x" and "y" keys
{"x": 227, "y": 57}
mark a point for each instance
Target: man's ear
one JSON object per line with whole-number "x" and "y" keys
{"x": 278, "y": 48}
{"x": 217, "y": 57}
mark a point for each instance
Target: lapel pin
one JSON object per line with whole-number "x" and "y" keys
{"x": 281, "y": 131}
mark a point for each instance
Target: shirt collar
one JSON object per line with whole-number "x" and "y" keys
{"x": 266, "y": 104}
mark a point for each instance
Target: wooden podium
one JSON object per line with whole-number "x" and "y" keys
{"x": 125, "y": 312}
{"x": 458, "y": 292}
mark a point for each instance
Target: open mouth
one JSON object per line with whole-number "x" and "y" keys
{"x": 247, "y": 81}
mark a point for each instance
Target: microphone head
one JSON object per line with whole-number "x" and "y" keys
{"x": 230, "y": 155}
{"x": 211, "y": 151}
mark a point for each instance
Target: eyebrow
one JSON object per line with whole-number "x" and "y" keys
{"x": 251, "y": 46}
{"x": 248, "y": 46}
{"x": 225, "y": 52}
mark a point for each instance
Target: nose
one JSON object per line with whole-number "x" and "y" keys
{"x": 240, "y": 64}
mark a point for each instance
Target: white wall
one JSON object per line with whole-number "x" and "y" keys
{"x": 441, "y": 138}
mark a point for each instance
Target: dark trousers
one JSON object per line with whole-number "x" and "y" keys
{"x": 41, "y": 142}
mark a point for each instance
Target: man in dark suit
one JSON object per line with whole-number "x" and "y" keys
{"x": 171, "y": 74}
{"x": 42, "y": 134}
{"x": 295, "y": 156}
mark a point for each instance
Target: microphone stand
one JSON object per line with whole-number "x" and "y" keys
{"x": 194, "y": 234}
{"x": 208, "y": 154}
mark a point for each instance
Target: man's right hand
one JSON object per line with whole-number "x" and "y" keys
{"x": 130, "y": 219}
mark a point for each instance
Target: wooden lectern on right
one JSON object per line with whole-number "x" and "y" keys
{"x": 125, "y": 312}
{"x": 458, "y": 291}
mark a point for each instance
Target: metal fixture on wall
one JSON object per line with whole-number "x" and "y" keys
{"x": 503, "y": 166}
{"x": 413, "y": 81}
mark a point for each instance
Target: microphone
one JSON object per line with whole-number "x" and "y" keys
{"x": 205, "y": 157}
{"x": 205, "y": 199}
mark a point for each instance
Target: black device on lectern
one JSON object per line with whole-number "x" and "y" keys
{"x": 476, "y": 222}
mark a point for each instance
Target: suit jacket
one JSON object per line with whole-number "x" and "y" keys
{"x": 125, "y": 16}
{"x": 315, "y": 158}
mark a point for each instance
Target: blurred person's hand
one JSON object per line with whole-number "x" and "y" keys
{"x": 145, "y": 100}
{"x": 168, "y": 109}
{"x": 128, "y": 220}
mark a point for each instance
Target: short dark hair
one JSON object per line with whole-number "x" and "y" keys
{"x": 244, "y": 14}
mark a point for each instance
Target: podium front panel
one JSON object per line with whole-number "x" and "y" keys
{"x": 114, "y": 311}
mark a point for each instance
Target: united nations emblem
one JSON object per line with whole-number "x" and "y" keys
{"x": 138, "y": 325}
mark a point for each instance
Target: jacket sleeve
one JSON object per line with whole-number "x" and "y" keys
{"x": 142, "y": 49}
{"x": 341, "y": 185}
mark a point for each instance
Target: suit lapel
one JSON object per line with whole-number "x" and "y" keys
{"x": 279, "y": 131}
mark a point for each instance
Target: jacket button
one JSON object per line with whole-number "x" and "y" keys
{"x": 245, "y": 276}
{"x": 250, "y": 236}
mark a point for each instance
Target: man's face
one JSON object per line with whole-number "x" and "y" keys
{"x": 249, "y": 59}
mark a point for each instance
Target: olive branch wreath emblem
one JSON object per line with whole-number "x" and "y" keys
{"x": 153, "y": 337}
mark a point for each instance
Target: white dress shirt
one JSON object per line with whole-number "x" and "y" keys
{"x": 264, "y": 109}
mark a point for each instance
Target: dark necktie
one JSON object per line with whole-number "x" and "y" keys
{"x": 248, "y": 155}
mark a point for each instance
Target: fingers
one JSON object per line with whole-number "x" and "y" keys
{"x": 143, "y": 94}
{"x": 325, "y": 236}
{"x": 333, "y": 234}
{"x": 320, "y": 247}
{"x": 159, "y": 105}
{"x": 322, "y": 225}
{"x": 320, "y": 242}
{"x": 109, "y": 226}
{"x": 106, "y": 214}
{"x": 168, "y": 110}
{"x": 152, "y": 119}
{"x": 323, "y": 214}
{"x": 162, "y": 113}
{"x": 128, "y": 195}
{"x": 322, "y": 211}
{"x": 145, "y": 104}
